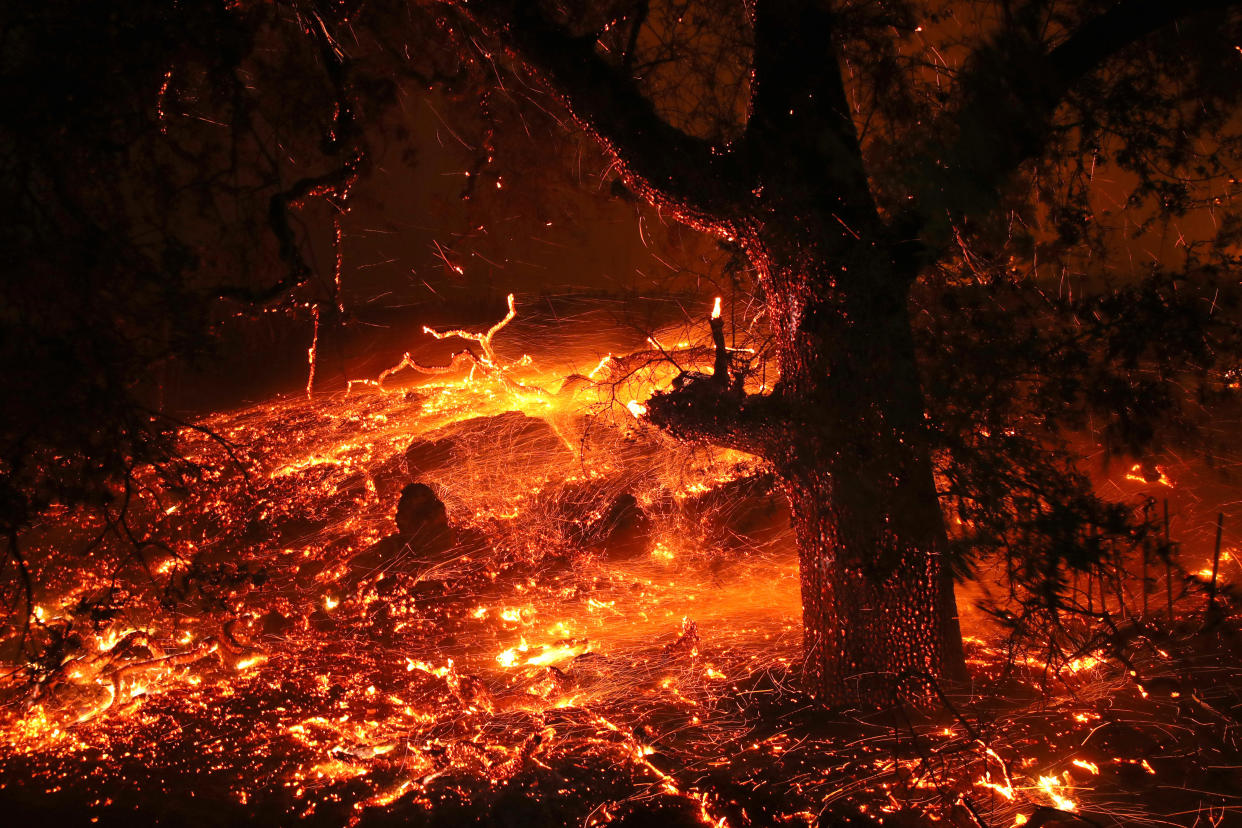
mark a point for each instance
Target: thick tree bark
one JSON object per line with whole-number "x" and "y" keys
{"x": 845, "y": 430}
{"x": 870, "y": 636}
{"x": 879, "y": 616}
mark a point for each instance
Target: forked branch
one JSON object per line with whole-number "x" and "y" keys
{"x": 484, "y": 339}
{"x": 488, "y": 363}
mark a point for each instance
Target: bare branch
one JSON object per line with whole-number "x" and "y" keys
{"x": 697, "y": 178}
{"x": 489, "y": 364}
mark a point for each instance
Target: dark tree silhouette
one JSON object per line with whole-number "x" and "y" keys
{"x": 150, "y": 190}
{"x": 856, "y": 170}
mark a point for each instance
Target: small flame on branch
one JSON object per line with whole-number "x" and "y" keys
{"x": 312, "y": 350}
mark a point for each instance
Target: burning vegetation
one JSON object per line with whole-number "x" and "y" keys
{"x": 922, "y": 514}
{"x": 497, "y": 596}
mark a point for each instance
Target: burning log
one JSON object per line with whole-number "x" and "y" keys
{"x": 486, "y": 441}
{"x": 426, "y": 457}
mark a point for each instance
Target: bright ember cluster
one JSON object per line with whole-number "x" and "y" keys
{"x": 570, "y": 616}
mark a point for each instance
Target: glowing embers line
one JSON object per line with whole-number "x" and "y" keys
{"x": 541, "y": 655}
{"x": 1053, "y": 788}
{"x": 346, "y": 454}
{"x": 312, "y": 352}
{"x": 453, "y": 721}
{"x": 1140, "y": 475}
{"x": 488, "y": 363}
{"x": 640, "y": 754}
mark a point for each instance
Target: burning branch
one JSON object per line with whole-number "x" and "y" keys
{"x": 488, "y": 363}
{"x": 484, "y": 339}
{"x": 720, "y": 368}
{"x": 407, "y": 361}
{"x": 714, "y": 408}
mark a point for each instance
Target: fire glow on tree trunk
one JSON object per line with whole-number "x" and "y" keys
{"x": 879, "y": 613}
{"x": 844, "y": 426}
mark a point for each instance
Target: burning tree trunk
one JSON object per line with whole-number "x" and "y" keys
{"x": 879, "y": 614}
{"x": 845, "y": 425}
{"x": 844, "y": 428}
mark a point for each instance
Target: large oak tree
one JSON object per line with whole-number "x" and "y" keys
{"x": 854, "y": 170}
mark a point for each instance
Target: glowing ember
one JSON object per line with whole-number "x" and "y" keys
{"x": 1138, "y": 474}
{"x": 1052, "y": 787}
{"x": 1089, "y": 767}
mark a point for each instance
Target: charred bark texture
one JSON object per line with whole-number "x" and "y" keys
{"x": 879, "y": 616}
{"x": 844, "y": 429}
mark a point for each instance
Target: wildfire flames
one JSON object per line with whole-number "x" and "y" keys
{"x": 607, "y": 625}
